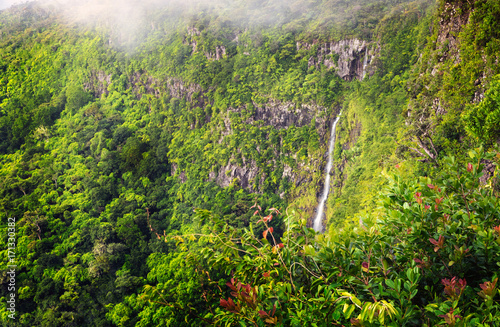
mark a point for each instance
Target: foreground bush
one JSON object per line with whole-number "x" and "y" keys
{"x": 429, "y": 256}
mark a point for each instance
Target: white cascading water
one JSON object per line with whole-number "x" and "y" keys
{"x": 318, "y": 226}
{"x": 365, "y": 62}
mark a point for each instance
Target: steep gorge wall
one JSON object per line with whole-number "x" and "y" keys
{"x": 274, "y": 113}
{"x": 353, "y": 59}
{"x": 279, "y": 115}
{"x": 451, "y": 77}
{"x": 350, "y": 58}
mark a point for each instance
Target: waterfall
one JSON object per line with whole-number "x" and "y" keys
{"x": 365, "y": 62}
{"x": 321, "y": 206}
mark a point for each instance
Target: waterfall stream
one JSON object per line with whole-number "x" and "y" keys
{"x": 318, "y": 226}
{"x": 365, "y": 62}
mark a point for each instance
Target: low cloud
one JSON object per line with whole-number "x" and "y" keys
{"x": 129, "y": 20}
{"x": 7, "y": 3}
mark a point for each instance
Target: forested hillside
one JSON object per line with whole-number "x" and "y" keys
{"x": 163, "y": 162}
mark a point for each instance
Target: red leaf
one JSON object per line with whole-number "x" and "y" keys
{"x": 263, "y": 313}
{"x": 231, "y": 286}
{"x": 264, "y": 233}
{"x": 223, "y": 303}
{"x": 469, "y": 167}
{"x": 439, "y": 243}
{"x": 271, "y": 230}
{"x": 256, "y": 212}
{"x": 281, "y": 245}
{"x": 275, "y": 210}
{"x": 266, "y": 274}
{"x": 268, "y": 218}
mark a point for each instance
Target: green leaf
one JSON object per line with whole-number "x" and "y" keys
{"x": 390, "y": 283}
{"x": 348, "y": 312}
{"x": 410, "y": 274}
{"x": 413, "y": 293}
{"x": 407, "y": 285}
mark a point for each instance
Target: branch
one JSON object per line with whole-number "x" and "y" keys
{"x": 424, "y": 147}
{"x": 432, "y": 144}
{"x": 417, "y": 151}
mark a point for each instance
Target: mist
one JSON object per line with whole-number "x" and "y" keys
{"x": 129, "y": 22}
{"x": 134, "y": 13}
{"x": 4, "y": 4}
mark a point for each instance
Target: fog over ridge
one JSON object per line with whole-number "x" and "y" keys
{"x": 131, "y": 21}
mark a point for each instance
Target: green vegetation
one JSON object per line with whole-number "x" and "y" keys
{"x": 428, "y": 256}
{"x": 164, "y": 174}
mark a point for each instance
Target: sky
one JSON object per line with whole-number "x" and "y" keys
{"x": 7, "y": 3}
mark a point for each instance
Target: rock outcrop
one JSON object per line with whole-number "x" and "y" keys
{"x": 192, "y": 40}
{"x": 97, "y": 83}
{"x": 220, "y": 52}
{"x": 351, "y": 58}
{"x": 280, "y": 115}
{"x": 176, "y": 88}
{"x": 245, "y": 175}
{"x": 284, "y": 114}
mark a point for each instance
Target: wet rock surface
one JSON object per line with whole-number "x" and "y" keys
{"x": 351, "y": 58}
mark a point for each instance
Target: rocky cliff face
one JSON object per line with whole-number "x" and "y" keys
{"x": 218, "y": 52}
{"x": 97, "y": 83}
{"x": 447, "y": 48}
{"x": 174, "y": 87}
{"x": 280, "y": 115}
{"x": 245, "y": 175}
{"x": 284, "y": 114}
{"x": 351, "y": 58}
{"x": 455, "y": 15}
